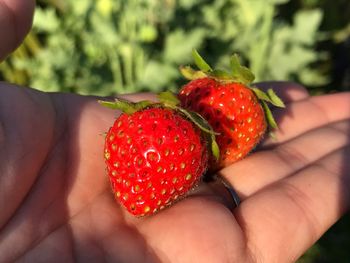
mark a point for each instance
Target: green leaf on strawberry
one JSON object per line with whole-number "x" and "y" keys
{"x": 240, "y": 73}
{"x": 168, "y": 99}
{"x": 200, "y": 62}
{"x": 125, "y": 106}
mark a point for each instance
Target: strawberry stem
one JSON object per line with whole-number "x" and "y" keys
{"x": 268, "y": 97}
{"x": 200, "y": 62}
{"x": 240, "y": 73}
{"x": 191, "y": 74}
{"x": 274, "y": 99}
{"x": 203, "y": 125}
{"x": 168, "y": 99}
{"x": 126, "y": 106}
{"x": 269, "y": 117}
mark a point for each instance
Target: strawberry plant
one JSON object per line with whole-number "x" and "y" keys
{"x": 104, "y": 47}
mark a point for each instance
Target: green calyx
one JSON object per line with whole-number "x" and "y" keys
{"x": 126, "y": 106}
{"x": 237, "y": 73}
{"x": 268, "y": 97}
{"x": 170, "y": 101}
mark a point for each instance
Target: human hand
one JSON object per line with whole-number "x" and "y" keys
{"x": 56, "y": 204}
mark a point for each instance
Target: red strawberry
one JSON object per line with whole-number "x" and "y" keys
{"x": 235, "y": 109}
{"x": 154, "y": 156}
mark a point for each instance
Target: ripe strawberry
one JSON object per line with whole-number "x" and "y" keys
{"x": 154, "y": 155}
{"x": 235, "y": 109}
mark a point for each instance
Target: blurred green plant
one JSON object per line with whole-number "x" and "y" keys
{"x": 103, "y": 47}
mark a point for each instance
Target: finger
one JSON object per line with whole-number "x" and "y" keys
{"x": 286, "y": 218}
{"x": 15, "y": 21}
{"x": 305, "y": 115}
{"x": 266, "y": 167}
{"x": 287, "y": 91}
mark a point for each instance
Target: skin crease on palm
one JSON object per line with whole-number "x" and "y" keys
{"x": 56, "y": 204}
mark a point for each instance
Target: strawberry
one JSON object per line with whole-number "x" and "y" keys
{"x": 155, "y": 153}
{"x": 237, "y": 110}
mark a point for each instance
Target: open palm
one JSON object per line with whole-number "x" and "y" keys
{"x": 56, "y": 204}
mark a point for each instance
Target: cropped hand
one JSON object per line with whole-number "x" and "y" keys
{"x": 57, "y": 205}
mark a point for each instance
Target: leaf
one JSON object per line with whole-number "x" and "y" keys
{"x": 120, "y": 105}
{"x": 220, "y": 74}
{"x": 274, "y": 99}
{"x": 215, "y": 148}
{"x": 191, "y": 74}
{"x": 240, "y": 72}
{"x": 204, "y": 126}
{"x": 306, "y": 24}
{"x": 187, "y": 4}
{"x": 269, "y": 96}
{"x": 168, "y": 98}
{"x": 269, "y": 117}
{"x": 199, "y": 121}
{"x": 260, "y": 94}
{"x": 46, "y": 20}
{"x": 142, "y": 104}
{"x": 158, "y": 75}
{"x": 126, "y": 106}
{"x": 200, "y": 62}
{"x": 179, "y": 44}
{"x": 148, "y": 33}
{"x": 81, "y": 51}
{"x": 277, "y": 1}
{"x": 312, "y": 77}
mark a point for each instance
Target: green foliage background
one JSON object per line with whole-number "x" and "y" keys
{"x": 104, "y": 47}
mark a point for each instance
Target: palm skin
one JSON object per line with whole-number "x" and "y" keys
{"x": 57, "y": 205}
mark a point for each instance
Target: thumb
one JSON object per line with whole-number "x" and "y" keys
{"x": 15, "y": 21}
